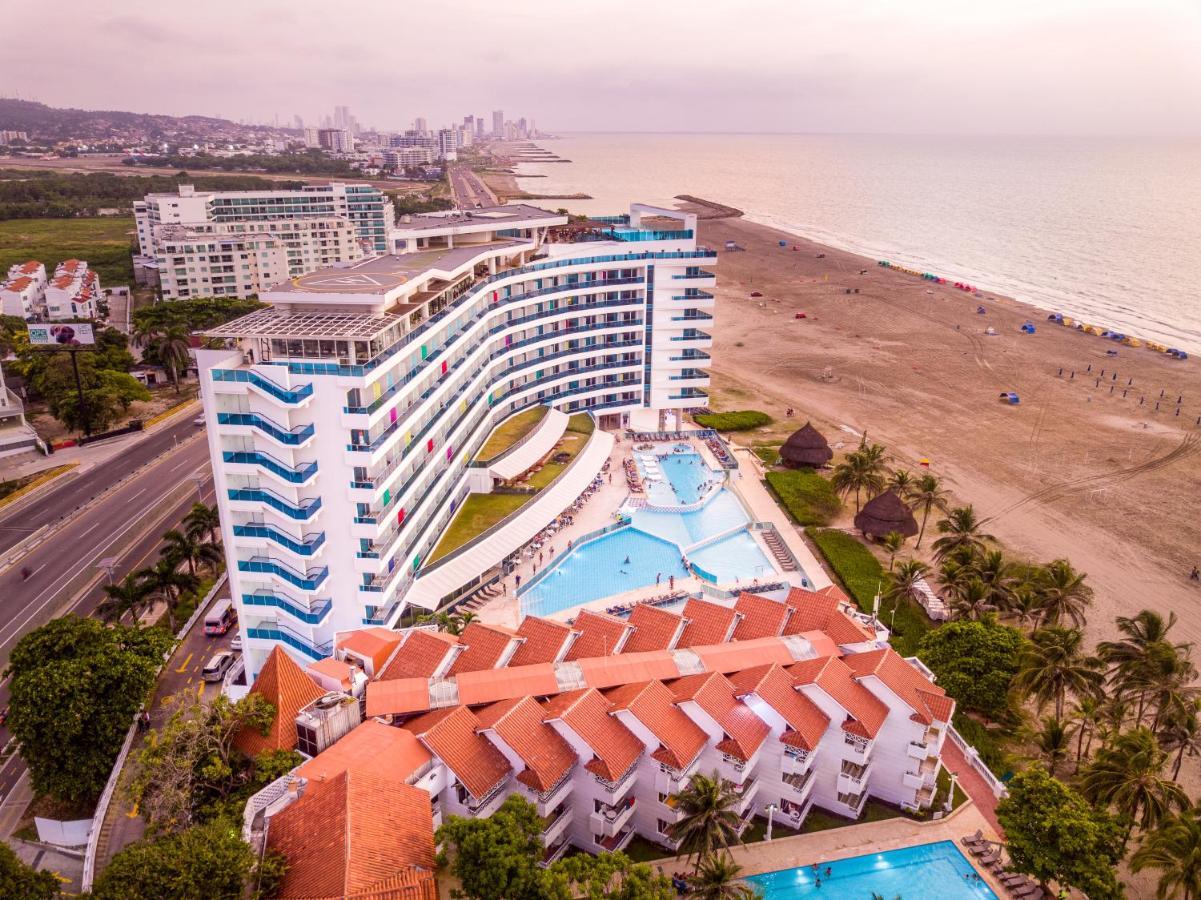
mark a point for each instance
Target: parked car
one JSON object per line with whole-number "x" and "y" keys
{"x": 236, "y": 644}
{"x": 199, "y": 420}
{"x": 217, "y": 666}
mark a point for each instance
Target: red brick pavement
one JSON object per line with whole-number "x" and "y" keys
{"x": 972, "y": 782}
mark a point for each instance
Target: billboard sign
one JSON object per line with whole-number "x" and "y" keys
{"x": 65, "y": 334}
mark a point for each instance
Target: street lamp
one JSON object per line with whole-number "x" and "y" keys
{"x": 108, "y": 564}
{"x": 771, "y": 809}
{"x": 199, "y": 478}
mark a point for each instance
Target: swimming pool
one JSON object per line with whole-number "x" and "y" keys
{"x": 930, "y": 871}
{"x": 654, "y": 543}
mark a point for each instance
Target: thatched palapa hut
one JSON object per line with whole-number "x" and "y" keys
{"x": 884, "y": 513}
{"x": 806, "y": 449}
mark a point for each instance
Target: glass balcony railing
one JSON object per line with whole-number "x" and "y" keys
{"x": 276, "y": 632}
{"x": 297, "y": 474}
{"x": 694, "y": 336}
{"x": 301, "y": 509}
{"x": 306, "y": 546}
{"x": 306, "y": 581}
{"x": 263, "y": 383}
{"x": 312, "y": 615}
{"x": 293, "y": 437}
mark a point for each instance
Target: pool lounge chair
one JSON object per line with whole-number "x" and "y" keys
{"x": 990, "y": 858}
{"x": 975, "y": 840}
{"x": 1030, "y": 890}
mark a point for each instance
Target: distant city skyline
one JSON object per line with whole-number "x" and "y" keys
{"x": 932, "y": 66}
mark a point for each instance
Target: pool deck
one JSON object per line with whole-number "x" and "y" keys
{"x": 855, "y": 840}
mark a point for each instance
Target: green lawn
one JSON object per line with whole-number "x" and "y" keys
{"x": 735, "y": 420}
{"x": 104, "y": 243}
{"x": 805, "y": 496}
{"x": 819, "y": 819}
{"x": 478, "y": 513}
{"x": 769, "y": 453}
{"x": 510, "y": 431}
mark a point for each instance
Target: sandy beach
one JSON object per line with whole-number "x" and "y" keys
{"x": 1076, "y": 470}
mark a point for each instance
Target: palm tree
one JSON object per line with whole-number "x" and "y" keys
{"x": 1088, "y": 716}
{"x": 1145, "y": 662}
{"x": 862, "y": 471}
{"x": 165, "y": 580}
{"x": 902, "y": 584}
{"x": 202, "y": 521}
{"x": 1054, "y": 742}
{"x": 173, "y": 351}
{"x": 998, "y": 574}
{"x": 709, "y": 821}
{"x": 1064, "y": 594}
{"x": 1181, "y": 734}
{"x": 716, "y": 878}
{"x": 1174, "y": 849}
{"x": 971, "y": 599}
{"x": 184, "y": 548}
{"x": 902, "y": 483}
{"x": 893, "y": 542}
{"x": 126, "y": 596}
{"x": 928, "y": 494}
{"x": 1053, "y": 665}
{"x": 1128, "y": 776}
{"x": 960, "y": 528}
{"x": 1024, "y": 604}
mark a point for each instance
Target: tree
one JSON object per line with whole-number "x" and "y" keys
{"x": 609, "y": 876}
{"x": 1054, "y": 742}
{"x": 1147, "y": 662}
{"x": 927, "y": 494}
{"x": 106, "y": 393}
{"x": 1088, "y": 716}
{"x": 76, "y": 686}
{"x": 495, "y": 858}
{"x": 165, "y": 580}
{"x": 971, "y": 599}
{"x": 1063, "y": 593}
{"x": 902, "y": 583}
{"x": 960, "y": 528}
{"x": 1053, "y": 834}
{"x": 19, "y": 881}
{"x": 1181, "y": 734}
{"x": 1053, "y": 665}
{"x": 893, "y": 542}
{"x": 193, "y": 764}
{"x": 716, "y": 878}
{"x": 1174, "y": 849}
{"x": 1128, "y": 775}
{"x": 126, "y": 596}
{"x": 862, "y": 471}
{"x": 902, "y": 482}
{"x": 708, "y": 820}
{"x": 203, "y": 862}
{"x": 974, "y": 662}
{"x": 202, "y": 521}
{"x": 184, "y": 548}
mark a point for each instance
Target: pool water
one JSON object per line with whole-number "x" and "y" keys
{"x": 930, "y": 871}
{"x": 654, "y": 544}
{"x": 600, "y": 569}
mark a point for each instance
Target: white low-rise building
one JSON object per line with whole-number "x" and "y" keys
{"x": 73, "y": 293}
{"x": 23, "y": 293}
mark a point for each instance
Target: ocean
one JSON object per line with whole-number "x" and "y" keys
{"x": 1107, "y": 230}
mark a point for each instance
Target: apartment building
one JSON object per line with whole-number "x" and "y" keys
{"x": 73, "y": 292}
{"x": 344, "y": 418}
{"x": 367, "y": 209}
{"x": 23, "y": 293}
{"x": 603, "y": 745}
{"x": 242, "y": 259}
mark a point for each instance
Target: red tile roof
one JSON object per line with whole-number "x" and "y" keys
{"x": 420, "y": 656}
{"x": 652, "y": 704}
{"x": 18, "y": 284}
{"x": 654, "y": 629}
{"x": 806, "y": 723}
{"x": 713, "y": 693}
{"x": 588, "y": 714}
{"x": 491, "y": 685}
{"x": 486, "y": 645}
{"x": 285, "y": 685}
{"x": 372, "y": 746}
{"x": 600, "y": 635}
{"x": 519, "y": 723}
{"x": 820, "y": 612}
{"x": 398, "y": 696}
{"x": 373, "y": 643}
{"x": 761, "y": 617}
{"x": 361, "y": 834}
{"x": 453, "y": 736}
{"x": 340, "y": 671}
{"x": 865, "y": 711}
{"x": 708, "y": 623}
{"x": 544, "y": 641}
{"x": 30, "y": 267}
{"x": 929, "y": 702}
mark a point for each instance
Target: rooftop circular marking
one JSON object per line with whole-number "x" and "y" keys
{"x": 327, "y": 282}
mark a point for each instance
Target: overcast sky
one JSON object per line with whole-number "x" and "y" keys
{"x": 977, "y": 66}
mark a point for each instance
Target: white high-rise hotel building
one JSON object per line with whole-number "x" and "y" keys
{"x": 343, "y": 420}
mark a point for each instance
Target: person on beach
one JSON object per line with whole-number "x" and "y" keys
{"x": 659, "y": 577}
{"x": 518, "y": 581}
{"x": 1195, "y": 575}
{"x": 671, "y": 582}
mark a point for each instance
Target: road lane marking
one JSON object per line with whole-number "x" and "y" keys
{"x": 200, "y": 690}
{"x": 138, "y": 494}
{"x": 38, "y": 569}
{"x": 183, "y": 666}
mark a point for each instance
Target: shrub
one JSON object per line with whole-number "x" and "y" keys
{"x": 856, "y": 567}
{"x": 974, "y": 662}
{"x": 806, "y": 496}
{"x": 736, "y": 420}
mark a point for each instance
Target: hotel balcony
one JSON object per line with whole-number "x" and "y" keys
{"x": 610, "y": 820}
{"x": 801, "y": 786}
{"x": 297, "y": 436}
{"x": 554, "y": 825}
{"x": 745, "y": 819}
{"x": 925, "y": 775}
{"x": 556, "y": 795}
{"x": 301, "y": 510}
{"x": 856, "y": 749}
{"x": 672, "y": 781}
{"x": 733, "y": 769}
{"x": 553, "y": 853}
{"x": 299, "y": 474}
{"x": 307, "y": 545}
{"x": 274, "y": 631}
{"x": 615, "y": 790}
{"x": 297, "y": 396}
{"x": 746, "y": 792}
{"x": 310, "y": 580}
{"x": 618, "y": 841}
{"x": 796, "y": 762}
{"x": 485, "y": 806}
{"x": 853, "y": 778}
{"x": 313, "y": 614}
{"x": 853, "y": 802}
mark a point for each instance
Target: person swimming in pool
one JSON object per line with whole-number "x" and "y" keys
{"x": 626, "y": 561}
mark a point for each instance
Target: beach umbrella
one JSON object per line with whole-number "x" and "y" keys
{"x": 886, "y": 513}
{"x": 806, "y": 448}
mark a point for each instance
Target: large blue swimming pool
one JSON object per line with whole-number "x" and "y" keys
{"x": 651, "y": 547}
{"x": 929, "y": 871}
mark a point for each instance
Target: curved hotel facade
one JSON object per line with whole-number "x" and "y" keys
{"x": 344, "y": 419}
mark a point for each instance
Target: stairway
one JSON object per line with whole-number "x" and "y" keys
{"x": 779, "y": 550}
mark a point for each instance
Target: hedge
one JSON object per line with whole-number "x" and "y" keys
{"x": 805, "y": 496}
{"x": 736, "y": 420}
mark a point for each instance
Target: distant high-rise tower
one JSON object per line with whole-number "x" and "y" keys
{"x": 342, "y": 117}
{"x": 479, "y": 127}
{"x": 420, "y": 124}
{"x": 298, "y": 123}
{"x": 498, "y": 123}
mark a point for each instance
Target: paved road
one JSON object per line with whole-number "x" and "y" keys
{"x": 469, "y": 189}
{"x": 74, "y": 490}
